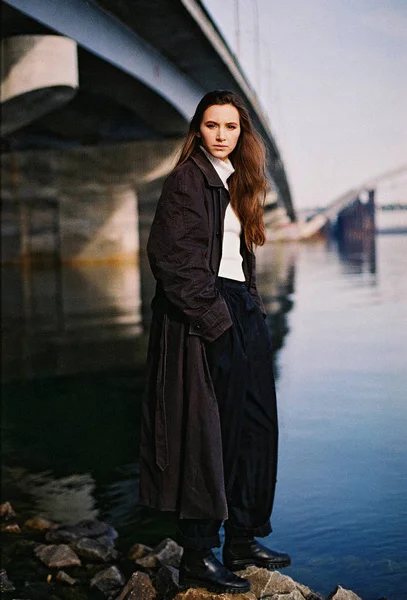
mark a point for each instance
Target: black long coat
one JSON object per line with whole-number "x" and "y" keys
{"x": 181, "y": 448}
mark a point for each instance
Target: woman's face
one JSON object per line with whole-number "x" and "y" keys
{"x": 220, "y": 130}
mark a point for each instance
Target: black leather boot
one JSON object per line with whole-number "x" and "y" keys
{"x": 239, "y": 553}
{"x": 201, "y": 568}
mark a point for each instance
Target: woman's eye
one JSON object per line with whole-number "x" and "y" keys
{"x": 231, "y": 126}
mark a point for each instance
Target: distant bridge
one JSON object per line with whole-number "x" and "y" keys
{"x": 317, "y": 219}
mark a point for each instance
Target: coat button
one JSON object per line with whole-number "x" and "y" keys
{"x": 217, "y": 233}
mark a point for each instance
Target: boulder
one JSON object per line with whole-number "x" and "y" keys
{"x": 6, "y": 511}
{"x": 339, "y": 593}
{"x": 167, "y": 553}
{"x": 264, "y": 583}
{"x": 39, "y": 524}
{"x": 5, "y": 584}
{"x": 294, "y": 595}
{"x": 139, "y": 587}
{"x": 166, "y": 582}
{"x": 57, "y": 556}
{"x": 308, "y": 593}
{"x": 10, "y": 528}
{"x": 94, "y": 550}
{"x": 108, "y": 582}
{"x": 202, "y": 594}
{"x": 92, "y": 528}
{"x": 138, "y": 551}
{"x": 65, "y": 578}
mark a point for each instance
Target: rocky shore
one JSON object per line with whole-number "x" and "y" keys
{"x": 42, "y": 560}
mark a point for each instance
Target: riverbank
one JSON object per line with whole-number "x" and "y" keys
{"x": 42, "y": 560}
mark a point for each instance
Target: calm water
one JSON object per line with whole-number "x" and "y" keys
{"x": 339, "y": 325}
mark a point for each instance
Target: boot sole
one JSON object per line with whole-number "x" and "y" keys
{"x": 240, "y": 565}
{"x": 217, "y": 589}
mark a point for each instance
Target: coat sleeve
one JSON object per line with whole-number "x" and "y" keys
{"x": 253, "y": 286}
{"x": 178, "y": 249}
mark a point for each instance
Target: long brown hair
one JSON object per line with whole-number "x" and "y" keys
{"x": 248, "y": 184}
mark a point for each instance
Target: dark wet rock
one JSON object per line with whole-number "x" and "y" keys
{"x": 339, "y": 593}
{"x": 109, "y": 538}
{"x": 166, "y": 582}
{"x": 5, "y": 584}
{"x": 65, "y": 578}
{"x": 167, "y": 553}
{"x": 85, "y": 529}
{"x": 39, "y": 524}
{"x": 148, "y": 562}
{"x": 138, "y": 551}
{"x": 108, "y": 582}
{"x": 139, "y": 587}
{"x": 6, "y": 511}
{"x": 10, "y": 528}
{"x": 71, "y": 593}
{"x": 57, "y": 556}
{"x": 61, "y": 536}
{"x": 93, "y": 550}
{"x": 23, "y": 547}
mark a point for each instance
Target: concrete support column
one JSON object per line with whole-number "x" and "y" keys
{"x": 39, "y": 73}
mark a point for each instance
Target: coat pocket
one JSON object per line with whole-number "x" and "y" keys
{"x": 161, "y": 434}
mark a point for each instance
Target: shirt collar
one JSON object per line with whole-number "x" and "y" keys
{"x": 224, "y": 168}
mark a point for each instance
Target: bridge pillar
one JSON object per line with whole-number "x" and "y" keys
{"x": 39, "y": 74}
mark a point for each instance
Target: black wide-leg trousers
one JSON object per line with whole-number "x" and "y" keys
{"x": 241, "y": 367}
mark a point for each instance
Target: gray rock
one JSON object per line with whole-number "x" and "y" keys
{"x": 166, "y": 582}
{"x": 148, "y": 562}
{"x": 308, "y": 593}
{"x": 57, "y": 556}
{"x": 108, "y": 582}
{"x": 6, "y": 511}
{"x": 39, "y": 524}
{"x": 264, "y": 583}
{"x": 93, "y": 550}
{"x": 168, "y": 553}
{"x": 202, "y": 594}
{"x": 5, "y": 583}
{"x": 10, "y": 528}
{"x": 138, "y": 551}
{"x": 139, "y": 587}
{"x": 339, "y": 593}
{"x": 84, "y": 529}
{"x": 294, "y": 595}
{"x": 65, "y": 578}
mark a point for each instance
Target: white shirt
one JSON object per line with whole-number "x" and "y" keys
{"x": 231, "y": 261}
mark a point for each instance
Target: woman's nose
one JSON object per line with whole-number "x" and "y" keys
{"x": 221, "y": 134}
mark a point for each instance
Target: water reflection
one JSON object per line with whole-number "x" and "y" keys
{"x": 67, "y": 319}
{"x": 70, "y": 444}
{"x": 358, "y": 252}
{"x": 276, "y": 266}
{"x": 67, "y": 499}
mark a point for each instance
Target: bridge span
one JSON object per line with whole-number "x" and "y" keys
{"x": 141, "y": 69}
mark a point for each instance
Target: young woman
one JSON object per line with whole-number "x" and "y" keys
{"x": 209, "y": 434}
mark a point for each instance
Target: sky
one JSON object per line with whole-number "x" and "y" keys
{"x": 331, "y": 76}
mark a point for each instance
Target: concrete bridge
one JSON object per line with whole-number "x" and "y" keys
{"x": 356, "y": 206}
{"x": 87, "y": 72}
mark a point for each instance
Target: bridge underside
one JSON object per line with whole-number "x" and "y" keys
{"x": 136, "y": 82}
